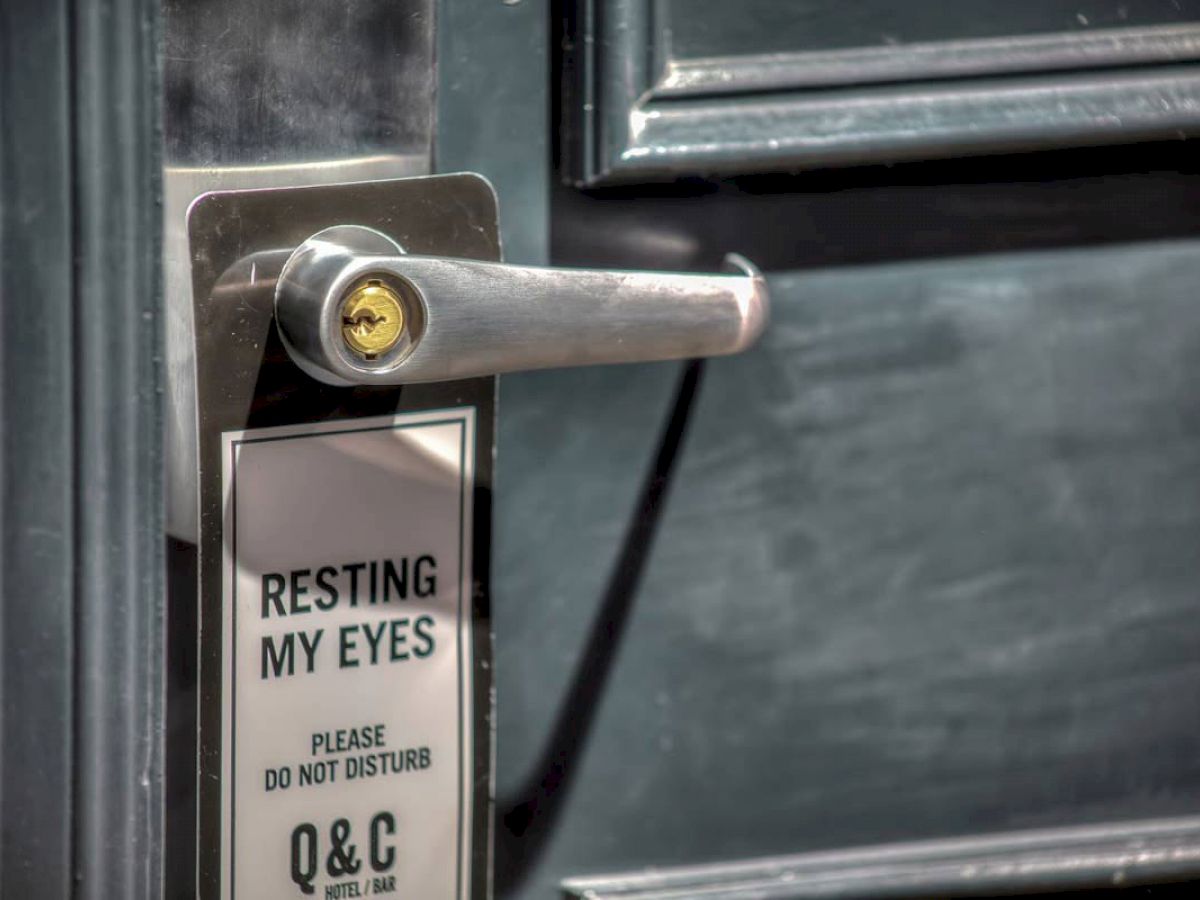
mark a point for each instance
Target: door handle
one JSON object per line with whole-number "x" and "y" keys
{"x": 353, "y": 308}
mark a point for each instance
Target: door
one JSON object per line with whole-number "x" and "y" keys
{"x": 898, "y": 601}
{"x": 893, "y": 602}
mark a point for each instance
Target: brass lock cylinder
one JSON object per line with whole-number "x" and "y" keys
{"x": 372, "y": 318}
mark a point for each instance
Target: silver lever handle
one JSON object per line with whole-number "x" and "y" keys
{"x": 352, "y": 308}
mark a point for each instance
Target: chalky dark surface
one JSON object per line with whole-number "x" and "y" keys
{"x": 927, "y": 566}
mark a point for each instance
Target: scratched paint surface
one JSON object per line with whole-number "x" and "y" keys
{"x": 927, "y": 567}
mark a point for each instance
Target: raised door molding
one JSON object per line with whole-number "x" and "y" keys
{"x": 641, "y": 108}
{"x": 1118, "y": 855}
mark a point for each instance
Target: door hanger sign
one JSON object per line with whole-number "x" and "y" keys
{"x": 347, "y": 744}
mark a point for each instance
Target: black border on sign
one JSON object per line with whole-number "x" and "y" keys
{"x": 462, "y": 766}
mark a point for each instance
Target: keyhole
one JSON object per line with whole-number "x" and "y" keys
{"x": 365, "y": 322}
{"x": 372, "y": 319}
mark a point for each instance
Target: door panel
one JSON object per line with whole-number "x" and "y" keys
{"x": 917, "y": 567}
{"x": 923, "y": 566}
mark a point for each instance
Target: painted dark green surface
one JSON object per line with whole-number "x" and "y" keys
{"x": 35, "y": 231}
{"x": 81, "y": 563}
{"x": 702, "y": 28}
{"x": 925, "y": 567}
{"x": 493, "y": 111}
